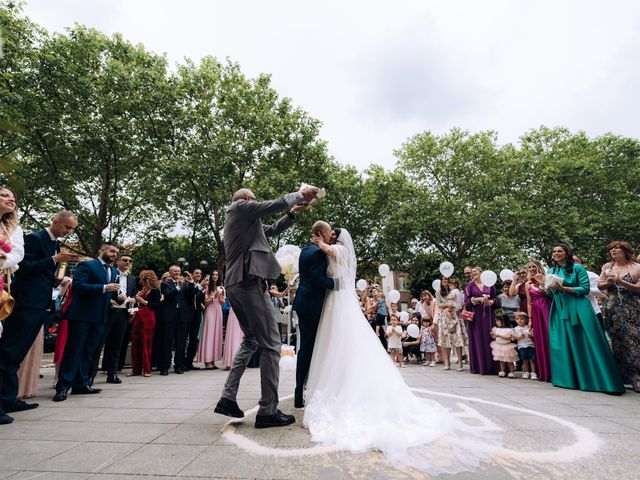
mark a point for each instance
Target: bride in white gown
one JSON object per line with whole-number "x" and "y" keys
{"x": 357, "y": 399}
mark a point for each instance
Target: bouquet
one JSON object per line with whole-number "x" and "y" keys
{"x": 288, "y": 256}
{"x": 321, "y": 192}
{"x": 551, "y": 280}
{"x": 5, "y": 246}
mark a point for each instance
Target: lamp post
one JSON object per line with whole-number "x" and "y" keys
{"x": 203, "y": 266}
{"x": 183, "y": 263}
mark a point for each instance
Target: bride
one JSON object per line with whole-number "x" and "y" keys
{"x": 357, "y": 400}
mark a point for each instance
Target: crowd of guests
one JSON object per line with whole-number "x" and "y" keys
{"x": 580, "y": 331}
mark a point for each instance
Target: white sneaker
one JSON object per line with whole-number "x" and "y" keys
{"x": 501, "y": 374}
{"x": 432, "y": 364}
{"x": 425, "y": 364}
{"x": 534, "y": 376}
{"x": 525, "y": 374}
{"x": 511, "y": 375}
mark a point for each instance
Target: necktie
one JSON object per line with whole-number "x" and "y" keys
{"x": 108, "y": 269}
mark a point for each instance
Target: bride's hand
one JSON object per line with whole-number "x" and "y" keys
{"x": 317, "y": 239}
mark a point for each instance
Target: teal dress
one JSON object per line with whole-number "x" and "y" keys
{"x": 580, "y": 355}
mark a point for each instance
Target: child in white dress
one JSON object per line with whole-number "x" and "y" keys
{"x": 503, "y": 350}
{"x": 394, "y": 341}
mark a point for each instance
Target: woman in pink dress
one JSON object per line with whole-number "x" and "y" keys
{"x": 538, "y": 306}
{"x": 232, "y": 339}
{"x": 210, "y": 345}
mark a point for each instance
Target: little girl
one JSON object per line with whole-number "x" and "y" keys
{"x": 394, "y": 341}
{"x": 428, "y": 342}
{"x": 503, "y": 350}
{"x": 526, "y": 349}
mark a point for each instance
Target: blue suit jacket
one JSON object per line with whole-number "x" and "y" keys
{"x": 34, "y": 279}
{"x": 89, "y": 303}
{"x": 314, "y": 282}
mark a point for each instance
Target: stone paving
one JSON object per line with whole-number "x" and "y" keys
{"x": 164, "y": 427}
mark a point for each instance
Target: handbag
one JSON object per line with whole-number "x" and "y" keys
{"x": 467, "y": 315}
{"x": 6, "y": 300}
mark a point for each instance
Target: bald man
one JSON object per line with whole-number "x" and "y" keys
{"x": 250, "y": 264}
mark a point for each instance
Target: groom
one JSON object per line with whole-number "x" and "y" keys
{"x": 309, "y": 300}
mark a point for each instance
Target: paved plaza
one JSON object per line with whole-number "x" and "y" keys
{"x": 164, "y": 427}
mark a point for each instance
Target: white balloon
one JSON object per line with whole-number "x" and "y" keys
{"x": 288, "y": 251}
{"x": 488, "y": 278}
{"x": 446, "y": 269}
{"x": 384, "y": 269}
{"x": 506, "y": 274}
{"x": 394, "y": 296}
{"x": 403, "y": 316}
{"x": 361, "y": 284}
{"x": 413, "y": 330}
{"x": 436, "y": 285}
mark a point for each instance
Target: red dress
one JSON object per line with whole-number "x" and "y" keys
{"x": 144, "y": 324}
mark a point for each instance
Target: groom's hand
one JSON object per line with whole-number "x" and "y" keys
{"x": 309, "y": 193}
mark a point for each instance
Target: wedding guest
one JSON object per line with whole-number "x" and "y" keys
{"x": 441, "y": 298}
{"x": 526, "y": 348}
{"x": 210, "y": 347}
{"x": 116, "y": 326}
{"x": 594, "y": 293}
{"x": 426, "y": 307}
{"x": 502, "y": 348}
{"x": 411, "y": 345}
{"x": 580, "y": 355}
{"x": 195, "y": 323}
{"x": 93, "y": 289}
{"x": 468, "y": 274}
{"x": 510, "y": 303}
{"x": 517, "y": 287}
{"x": 62, "y": 332}
{"x": 38, "y": 255}
{"x": 176, "y": 312}
{"x": 394, "y": 335}
{"x": 620, "y": 278}
{"x": 144, "y": 322}
{"x": 277, "y": 298}
{"x": 232, "y": 340}
{"x": 538, "y": 308}
{"x": 382, "y": 313}
{"x": 29, "y": 372}
{"x": 480, "y": 299}
{"x": 450, "y": 331}
{"x": 428, "y": 342}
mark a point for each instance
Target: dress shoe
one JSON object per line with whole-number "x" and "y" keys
{"x": 5, "y": 419}
{"x": 86, "y": 390}
{"x": 61, "y": 395}
{"x": 229, "y": 408}
{"x": 113, "y": 379}
{"x": 192, "y": 367}
{"x": 178, "y": 370}
{"x": 20, "y": 406}
{"x": 278, "y": 419}
{"x": 164, "y": 372}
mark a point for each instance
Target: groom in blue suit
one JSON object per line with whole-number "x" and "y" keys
{"x": 309, "y": 301}
{"x": 95, "y": 283}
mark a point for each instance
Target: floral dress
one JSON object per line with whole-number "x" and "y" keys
{"x": 624, "y": 314}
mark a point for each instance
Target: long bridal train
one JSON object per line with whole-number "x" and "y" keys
{"x": 357, "y": 400}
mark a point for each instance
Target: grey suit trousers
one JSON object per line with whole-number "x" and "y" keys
{"x": 252, "y": 305}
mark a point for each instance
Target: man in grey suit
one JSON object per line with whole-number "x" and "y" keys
{"x": 250, "y": 263}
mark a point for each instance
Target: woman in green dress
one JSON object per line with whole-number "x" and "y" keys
{"x": 580, "y": 355}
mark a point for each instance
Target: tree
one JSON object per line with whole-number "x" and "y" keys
{"x": 91, "y": 119}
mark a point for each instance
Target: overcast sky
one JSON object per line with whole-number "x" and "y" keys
{"x": 376, "y": 72}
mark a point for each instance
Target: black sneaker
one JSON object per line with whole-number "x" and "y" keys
{"x": 278, "y": 419}
{"x": 228, "y": 408}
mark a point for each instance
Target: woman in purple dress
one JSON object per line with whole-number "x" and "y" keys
{"x": 538, "y": 307}
{"x": 481, "y": 300}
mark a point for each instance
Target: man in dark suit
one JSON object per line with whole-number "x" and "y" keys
{"x": 194, "y": 323}
{"x": 116, "y": 328}
{"x": 31, "y": 289}
{"x": 250, "y": 264}
{"x": 309, "y": 301}
{"x": 176, "y": 310}
{"x": 93, "y": 288}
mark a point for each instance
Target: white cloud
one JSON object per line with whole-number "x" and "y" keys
{"x": 376, "y": 72}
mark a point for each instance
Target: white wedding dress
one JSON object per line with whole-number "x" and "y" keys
{"x": 357, "y": 400}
